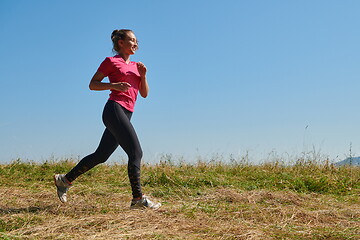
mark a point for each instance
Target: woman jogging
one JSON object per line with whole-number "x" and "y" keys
{"x": 126, "y": 79}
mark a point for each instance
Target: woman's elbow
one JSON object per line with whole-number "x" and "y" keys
{"x": 92, "y": 85}
{"x": 144, "y": 92}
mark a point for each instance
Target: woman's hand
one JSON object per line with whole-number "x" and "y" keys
{"x": 144, "y": 87}
{"x": 97, "y": 84}
{"x": 121, "y": 86}
{"x": 141, "y": 69}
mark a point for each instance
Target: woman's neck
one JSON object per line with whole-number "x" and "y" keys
{"x": 124, "y": 56}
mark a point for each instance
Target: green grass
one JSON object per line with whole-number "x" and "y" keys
{"x": 206, "y": 200}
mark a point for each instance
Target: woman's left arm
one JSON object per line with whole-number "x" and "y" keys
{"x": 144, "y": 86}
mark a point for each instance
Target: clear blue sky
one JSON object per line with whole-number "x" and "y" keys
{"x": 227, "y": 77}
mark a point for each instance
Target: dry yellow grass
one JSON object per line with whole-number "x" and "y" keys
{"x": 199, "y": 202}
{"x": 221, "y": 213}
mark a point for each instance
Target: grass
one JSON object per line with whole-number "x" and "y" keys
{"x": 211, "y": 200}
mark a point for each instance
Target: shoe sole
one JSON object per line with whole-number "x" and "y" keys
{"x": 57, "y": 189}
{"x": 156, "y": 207}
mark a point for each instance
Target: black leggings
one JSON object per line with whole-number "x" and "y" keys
{"x": 119, "y": 131}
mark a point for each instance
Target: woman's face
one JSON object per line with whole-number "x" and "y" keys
{"x": 129, "y": 45}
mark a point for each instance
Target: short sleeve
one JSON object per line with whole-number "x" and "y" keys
{"x": 106, "y": 67}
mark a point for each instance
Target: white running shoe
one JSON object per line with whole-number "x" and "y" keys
{"x": 144, "y": 202}
{"x": 62, "y": 186}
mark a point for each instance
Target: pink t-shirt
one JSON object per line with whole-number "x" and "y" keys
{"x": 117, "y": 70}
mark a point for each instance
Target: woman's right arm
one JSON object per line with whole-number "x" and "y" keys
{"x": 97, "y": 84}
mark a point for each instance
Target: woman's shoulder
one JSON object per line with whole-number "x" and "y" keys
{"x": 118, "y": 60}
{"x": 112, "y": 59}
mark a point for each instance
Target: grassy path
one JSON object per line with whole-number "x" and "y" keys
{"x": 201, "y": 201}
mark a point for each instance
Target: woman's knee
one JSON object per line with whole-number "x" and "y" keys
{"x": 135, "y": 159}
{"x": 139, "y": 154}
{"x": 99, "y": 157}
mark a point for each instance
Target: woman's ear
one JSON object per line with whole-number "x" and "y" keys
{"x": 120, "y": 43}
